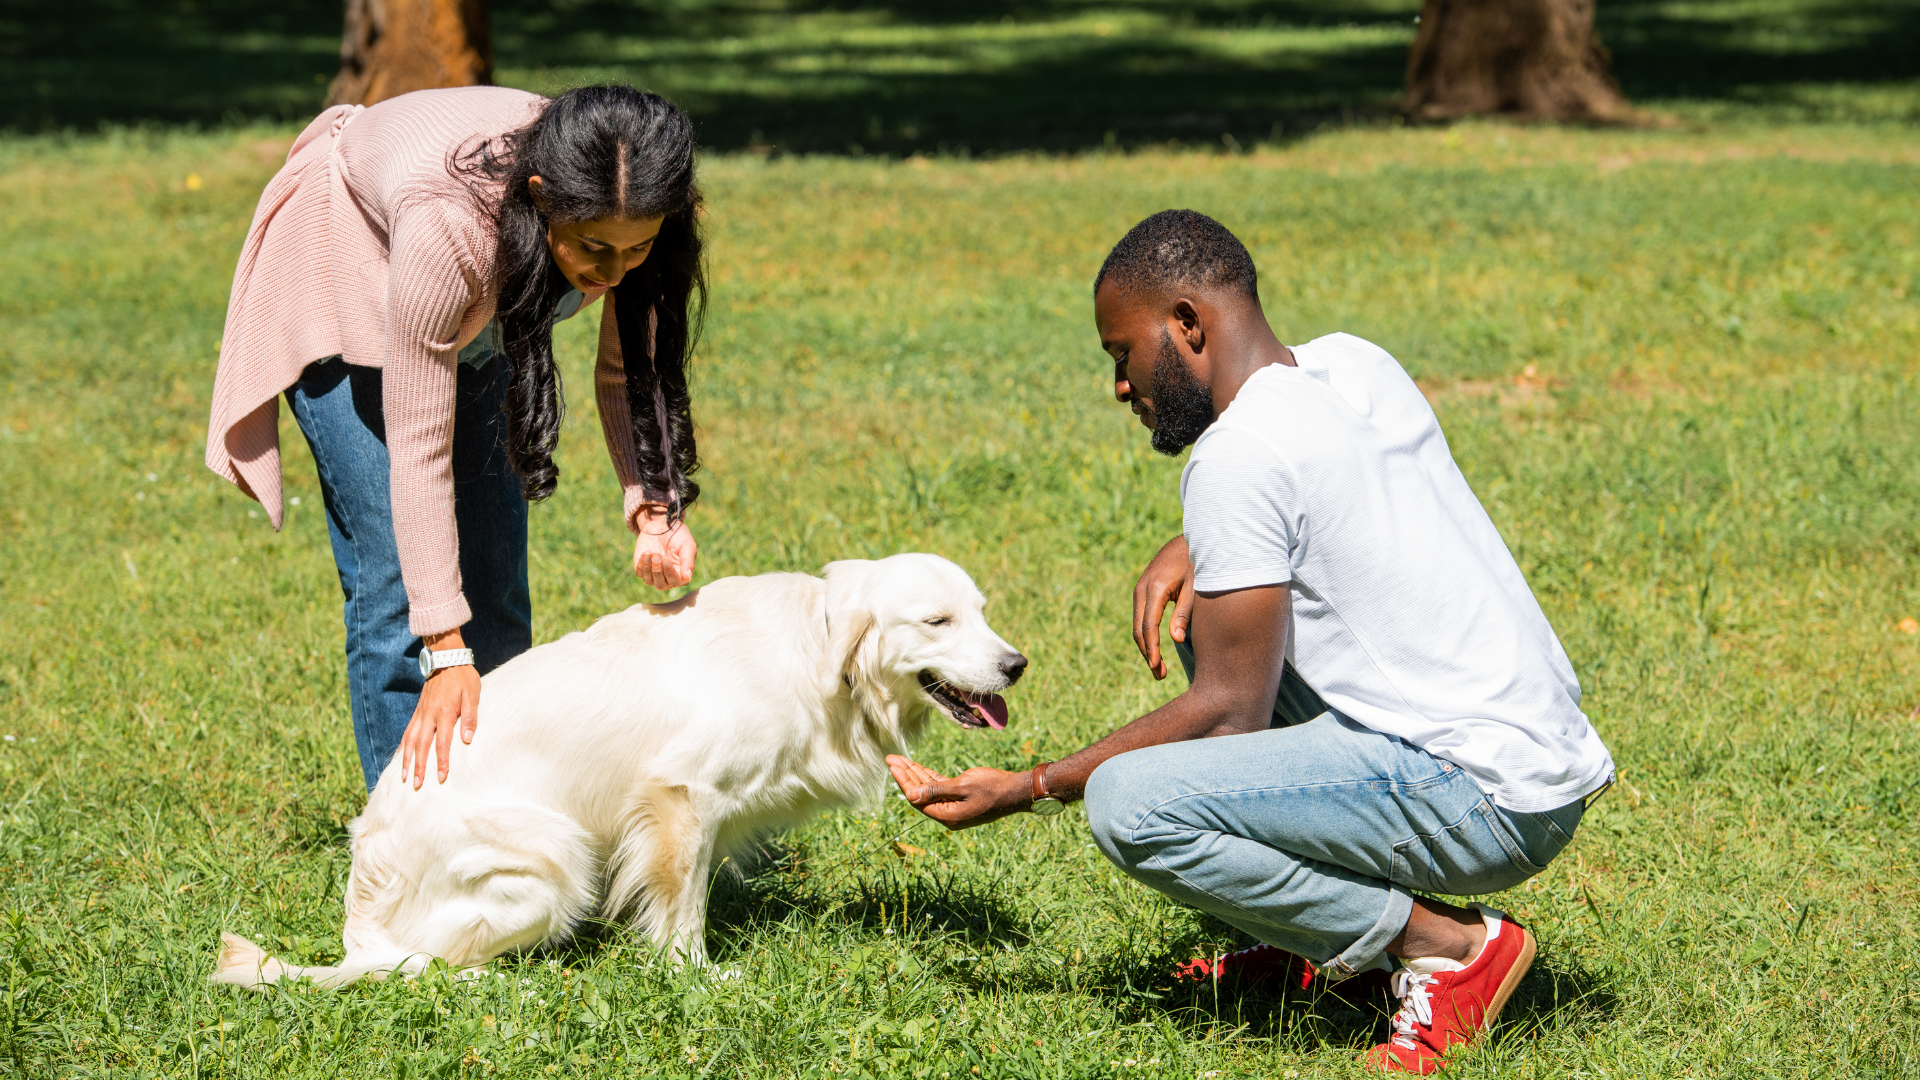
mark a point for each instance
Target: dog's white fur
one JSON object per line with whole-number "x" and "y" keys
{"x": 612, "y": 769}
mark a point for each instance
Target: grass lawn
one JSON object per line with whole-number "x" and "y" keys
{"x": 1678, "y": 367}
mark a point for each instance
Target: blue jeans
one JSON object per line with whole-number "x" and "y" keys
{"x": 338, "y": 408}
{"x": 1310, "y": 836}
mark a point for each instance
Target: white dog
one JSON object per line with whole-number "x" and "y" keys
{"x": 613, "y": 768}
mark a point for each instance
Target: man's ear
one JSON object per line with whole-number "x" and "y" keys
{"x": 849, "y": 615}
{"x": 1192, "y": 327}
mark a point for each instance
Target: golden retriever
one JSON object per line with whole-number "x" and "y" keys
{"x": 613, "y": 769}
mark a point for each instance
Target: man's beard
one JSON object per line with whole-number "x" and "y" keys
{"x": 1182, "y": 404}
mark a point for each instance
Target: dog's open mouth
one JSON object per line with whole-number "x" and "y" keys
{"x": 968, "y": 709}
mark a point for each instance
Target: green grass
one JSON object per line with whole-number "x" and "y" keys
{"x": 1708, "y": 477}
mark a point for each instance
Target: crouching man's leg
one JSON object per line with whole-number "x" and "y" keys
{"x": 1311, "y": 838}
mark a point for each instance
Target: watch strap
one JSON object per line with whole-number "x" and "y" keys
{"x": 1044, "y": 802}
{"x": 445, "y": 658}
{"x": 1040, "y": 781}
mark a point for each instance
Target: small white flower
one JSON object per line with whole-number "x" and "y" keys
{"x": 151, "y": 478}
{"x": 140, "y": 496}
{"x": 295, "y": 501}
{"x": 9, "y": 738}
{"x": 888, "y": 932}
{"x": 1131, "y": 1063}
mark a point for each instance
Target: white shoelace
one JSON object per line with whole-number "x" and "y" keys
{"x": 1416, "y": 1004}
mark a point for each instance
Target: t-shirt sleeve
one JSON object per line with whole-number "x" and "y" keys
{"x": 1241, "y": 507}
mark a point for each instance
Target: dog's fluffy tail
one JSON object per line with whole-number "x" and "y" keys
{"x": 242, "y": 963}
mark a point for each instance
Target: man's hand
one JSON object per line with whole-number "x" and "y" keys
{"x": 1168, "y": 579}
{"x": 450, "y": 700}
{"x": 664, "y": 552}
{"x": 975, "y": 797}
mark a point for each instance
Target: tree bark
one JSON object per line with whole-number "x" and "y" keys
{"x": 393, "y": 47}
{"x": 1527, "y": 59}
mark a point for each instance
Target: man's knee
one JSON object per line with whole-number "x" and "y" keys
{"x": 1118, "y": 798}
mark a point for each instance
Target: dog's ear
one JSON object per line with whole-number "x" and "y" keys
{"x": 849, "y": 613}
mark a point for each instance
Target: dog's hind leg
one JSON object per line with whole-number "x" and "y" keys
{"x": 658, "y": 874}
{"x": 528, "y": 884}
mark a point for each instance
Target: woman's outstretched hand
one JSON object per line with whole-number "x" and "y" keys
{"x": 450, "y": 700}
{"x": 664, "y": 552}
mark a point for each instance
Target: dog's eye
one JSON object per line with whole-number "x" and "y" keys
{"x": 939, "y": 620}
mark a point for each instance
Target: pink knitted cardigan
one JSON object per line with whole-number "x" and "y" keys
{"x": 365, "y": 247}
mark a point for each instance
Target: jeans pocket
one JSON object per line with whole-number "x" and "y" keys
{"x": 1472, "y": 856}
{"x": 1537, "y": 839}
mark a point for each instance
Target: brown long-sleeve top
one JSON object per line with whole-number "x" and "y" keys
{"x": 364, "y": 246}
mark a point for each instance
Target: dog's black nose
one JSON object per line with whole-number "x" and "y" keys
{"x": 1013, "y": 667}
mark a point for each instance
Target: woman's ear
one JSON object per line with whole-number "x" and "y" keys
{"x": 535, "y": 187}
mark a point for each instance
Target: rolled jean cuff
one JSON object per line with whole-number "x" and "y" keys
{"x": 1365, "y": 954}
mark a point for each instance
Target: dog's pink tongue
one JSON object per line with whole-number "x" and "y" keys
{"x": 989, "y": 707}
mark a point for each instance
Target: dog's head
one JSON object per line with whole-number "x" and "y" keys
{"x": 909, "y": 633}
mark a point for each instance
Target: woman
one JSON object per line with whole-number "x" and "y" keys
{"x": 399, "y": 285}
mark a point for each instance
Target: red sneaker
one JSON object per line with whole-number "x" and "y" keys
{"x": 1444, "y": 1004}
{"x": 1263, "y": 962}
{"x": 1258, "y": 964}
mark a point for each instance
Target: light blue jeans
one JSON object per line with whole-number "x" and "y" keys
{"x": 339, "y": 408}
{"x": 1311, "y": 836}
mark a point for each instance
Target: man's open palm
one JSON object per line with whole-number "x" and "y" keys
{"x": 975, "y": 797}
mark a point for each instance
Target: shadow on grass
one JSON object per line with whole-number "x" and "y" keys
{"x": 1556, "y": 993}
{"x": 870, "y": 76}
{"x": 779, "y": 884}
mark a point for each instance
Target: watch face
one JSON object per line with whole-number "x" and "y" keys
{"x": 426, "y": 662}
{"x": 1048, "y": 807}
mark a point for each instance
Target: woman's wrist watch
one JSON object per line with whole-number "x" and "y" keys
{"x": 431, "y": 661}
{"x": 1044, "y": 803}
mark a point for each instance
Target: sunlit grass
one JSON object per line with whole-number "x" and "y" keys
{"x": 1679, "y": 369}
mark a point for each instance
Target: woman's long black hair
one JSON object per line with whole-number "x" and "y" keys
{"x": 601, "y": 152}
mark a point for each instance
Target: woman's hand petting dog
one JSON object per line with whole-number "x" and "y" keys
{"x": 975, "y": 797}
{"x": 451, "y": 699}
{"x": 664, "y": 552}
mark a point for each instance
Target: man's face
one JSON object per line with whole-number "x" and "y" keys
{"x": 1151, "y": 371}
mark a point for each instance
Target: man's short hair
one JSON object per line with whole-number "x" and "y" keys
{"x": 1176, "y": 248}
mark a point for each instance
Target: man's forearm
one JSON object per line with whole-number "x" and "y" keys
{"x": 1190, "y": 716}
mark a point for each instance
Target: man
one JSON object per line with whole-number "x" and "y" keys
{"x": 1377, "y": 703}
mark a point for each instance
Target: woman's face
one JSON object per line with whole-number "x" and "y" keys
{"x": 595, "y": 255}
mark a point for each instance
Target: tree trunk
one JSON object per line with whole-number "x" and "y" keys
{"x": 391, "y": 47}
{"x": 1527, "y": 59}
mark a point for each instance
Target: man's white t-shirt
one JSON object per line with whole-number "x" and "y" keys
{"x": 1409, "y": 614}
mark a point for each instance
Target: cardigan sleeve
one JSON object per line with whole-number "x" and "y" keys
{"x": 432, "y": 281}
{"x": 616, "y": 418}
